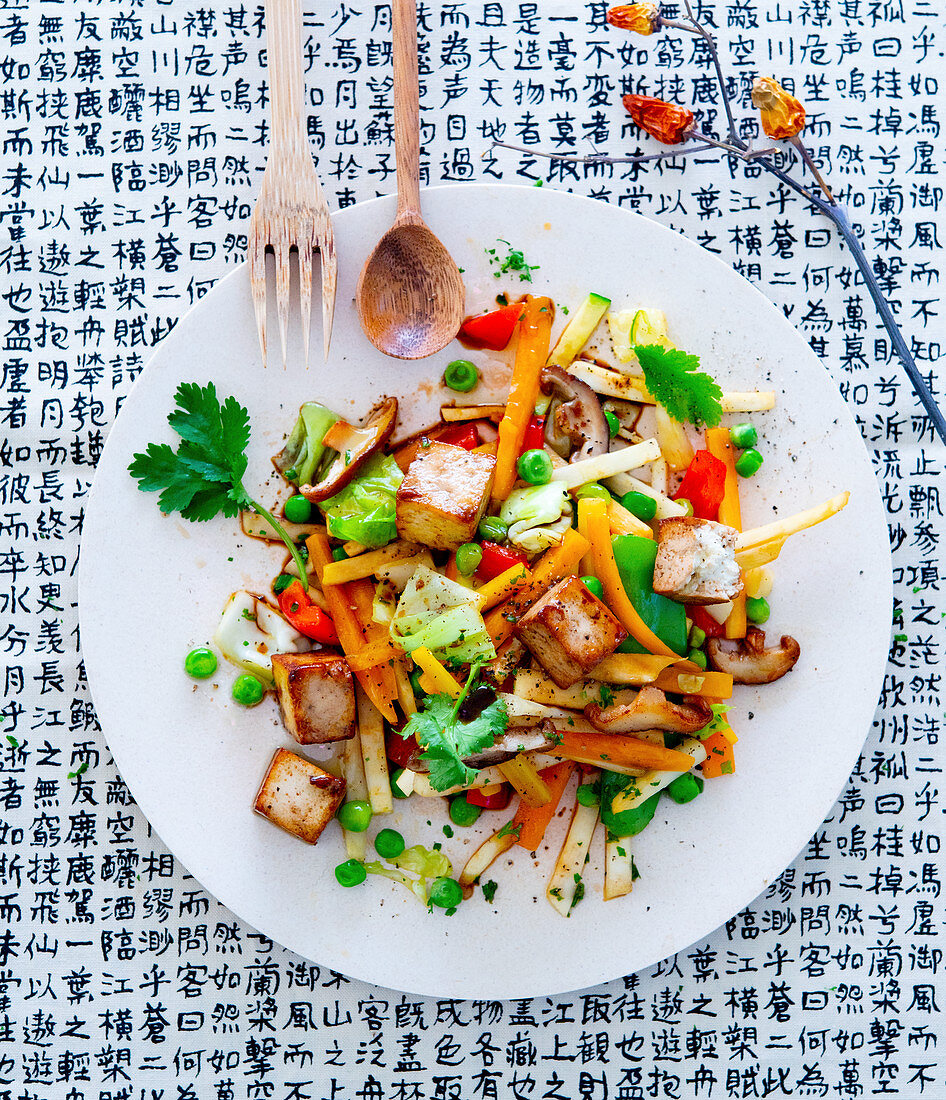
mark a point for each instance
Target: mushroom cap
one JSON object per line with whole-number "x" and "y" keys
{"x": 651, "y": 710}
{"x": 578, "y": 417}
{"x": 749, "y": 661}
{"x": 366, "y": 442}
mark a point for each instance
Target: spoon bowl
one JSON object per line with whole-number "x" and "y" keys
{"x": 410, "y": 294}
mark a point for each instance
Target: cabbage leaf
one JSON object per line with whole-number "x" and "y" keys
{"x": 364, "y": 510}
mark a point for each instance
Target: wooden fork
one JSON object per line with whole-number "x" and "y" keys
{"x": 291, "y": 213}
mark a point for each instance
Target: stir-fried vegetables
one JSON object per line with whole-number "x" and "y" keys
{"x": 559, "y": 621}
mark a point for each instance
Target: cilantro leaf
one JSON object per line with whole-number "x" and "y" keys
{"x": 676, "y": 382}
{"x": 203, "y": 477}
{"x": 447, "y": 739}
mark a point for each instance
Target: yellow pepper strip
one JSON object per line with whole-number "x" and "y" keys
{"x": 606, "y": 570}
{"x": 535, "y": 329}
{"x": 343, "y": 607}
{"x": 755, "y": 557}
{"x": 502, "y": 587}
{"x": 624, "y": 522}
{"x": 436, "y": 679}
{"x": 555, "y": 564}
{"x": 719, "y": 444}
{"x": 367, "y": 564}
{"x": 361, "y": 599}
{"x": 486, "y": 448}
{"x": 587, "y": 564}
{"x": 526, "y": 781}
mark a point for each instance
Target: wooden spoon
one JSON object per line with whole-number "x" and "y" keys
{"x": 410, "y": 295}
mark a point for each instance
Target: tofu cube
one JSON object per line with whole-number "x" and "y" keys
{"x": 696, "y": 561}
{"x": 443, "y": 496}
{"x": 316, "y": 696}
{"x": 569, "y": 631}
{"x": 299, "y": 796}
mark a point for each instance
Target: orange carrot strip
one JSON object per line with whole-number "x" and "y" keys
{"x": 374, "y": 654}
{"x": 606, "y": 570}
{"x": 555, "y": 564}
{"x": 361, "y": 594}
{"x": 720, "y": 759}
{"x": 720, "y": 445}
{"x": 351, "y": 635}
{"x": 602, "y": 748}
{"x": 535, "y": 329}
{"x": 532, "y": 821}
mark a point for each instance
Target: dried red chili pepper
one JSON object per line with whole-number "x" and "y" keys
{"x": 640, "y": 18}
{"x": 664, "y": 121}
{"x": 782, "y": 114}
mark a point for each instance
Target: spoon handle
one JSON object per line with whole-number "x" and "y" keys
{"x": 406, "y": 111}
{"x": 284, "y": 66}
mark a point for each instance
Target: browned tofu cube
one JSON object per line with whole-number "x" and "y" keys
{"x": 569, "y": 631}
{"x": 443, "y": 496}
{"x": 696, "y": 561}
{"x": 299, "y": 796}
{"x": 316, "y": 696}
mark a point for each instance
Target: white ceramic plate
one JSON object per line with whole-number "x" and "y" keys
{"x": 152, "y": 587}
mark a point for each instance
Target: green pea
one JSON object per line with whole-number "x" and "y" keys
{"x": 744, "y": 435}
{"x": 757, "y": 609}
{"x": 593, "y": 490}
{"x": 350, "y": 873}
{"x": 282, "y": 582}
{"x": 640, "y": 505}
{"x": 614, "y": 425}
{"x": 389, "y": 844}
{"x": 445, "y": 893}
{"x": 696, "y": 637}
{"x": 461, "y": 375}
{"x": 338, "y": 554}
{"x": 686, "y": 505}
{"x": 587, "y": 795}
{"x": 290, "y": 474}
{"x": 396, "y": 791}
{"x": 247, "y": 690}
{"x": 685, "y": 788}
{"x": 463, "y": 813}
{"x": 200, "y": 663}
{"x": 297, "y": 509}
{"x": 594, "y": 586}
{"x": 355, "y": 816}
{"x": 535, "y": 467}
{"x": 697, "y": 656}
{"x": 492, "y": 529}
{"x": 748, "y": 462}
{"x": 469, "y": 556}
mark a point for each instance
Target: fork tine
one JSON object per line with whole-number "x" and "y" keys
{"x": 329, "y": 278}
{"x": 305, "y": 295}
{"x": 257, "y": 259}
{"x": 281, "y": 250}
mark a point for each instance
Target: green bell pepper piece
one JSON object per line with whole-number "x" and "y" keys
{"x": 628, "y": 822}
{"x": 635, "y": 557}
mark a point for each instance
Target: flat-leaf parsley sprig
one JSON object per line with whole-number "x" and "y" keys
{"x": 203, "y": 477}
{"x": 447, "y": 739}
{"x": 675, "y": 381}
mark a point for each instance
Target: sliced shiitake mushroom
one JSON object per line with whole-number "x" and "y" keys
{"x": 354, "y": 446}
{"x": 576, "y": 420}
{"x": 749, "y": 661}
{"x": 651, "y": 710}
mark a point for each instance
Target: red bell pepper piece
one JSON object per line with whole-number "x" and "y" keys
{"x": 305, "y": 616}
{"x": 702, "y": 618}
{"x": 401, "y": 750}
{"x": 498, "y": 801}
{"x": 493, "y": 330}
{"x": 497, "y": 559}
{"x": 703, "y": 485}
{"x": 534, "y": 439}
{"x": 466, "y": 436}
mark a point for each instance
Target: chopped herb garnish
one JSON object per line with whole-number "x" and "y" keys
{"x": 607, "y": 696}
{"x": 489, "y": 889}
{"x": 514, "y": 261}
{"x": 81, "y": 770}
{"x": 510, "y": 830}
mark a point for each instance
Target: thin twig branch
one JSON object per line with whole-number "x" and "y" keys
{"x": 601, "y": 158}
{"x": 714, "y": 53}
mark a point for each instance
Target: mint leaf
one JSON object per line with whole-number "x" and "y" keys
{"x": 675, "y": 381}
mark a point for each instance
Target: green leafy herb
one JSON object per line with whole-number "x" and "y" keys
{"x": 13, "y": 741}
{"x": 676, "y": 382}
{"x": 510, "y": 830}
{"x": 717, "y": 723}
{"x": 607, "y": 695}
{"x": 203, "y": 478}
{"x": 489, "y": 890}
{"x": 81, "y": 770}
{"x": 514, "y": 260}
{"x": 447, "y": 739}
